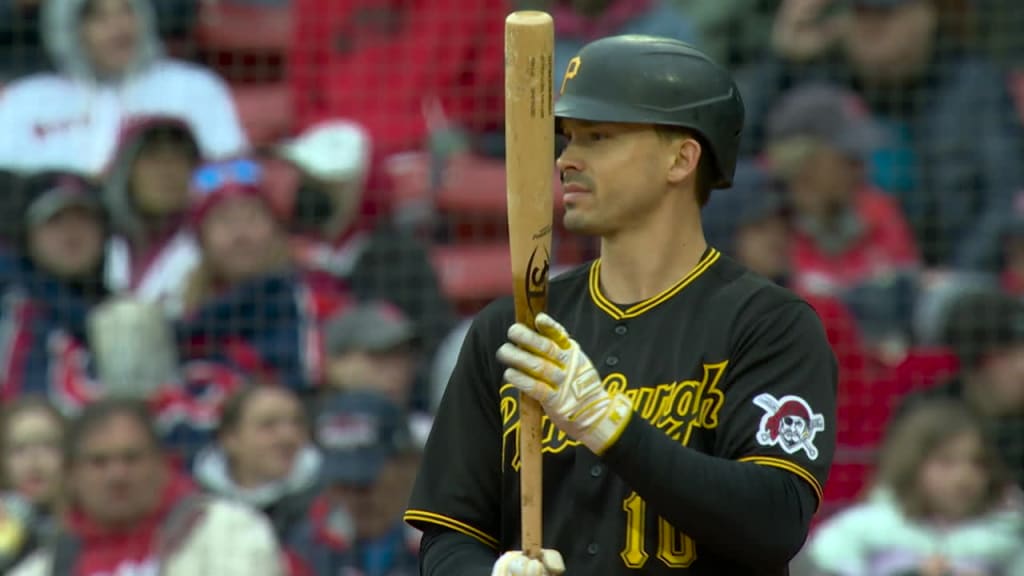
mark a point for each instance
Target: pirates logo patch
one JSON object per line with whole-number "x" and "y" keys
{"x": 788, "y": 423}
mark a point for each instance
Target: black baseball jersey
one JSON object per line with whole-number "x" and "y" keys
{"x": 723, "y": 362}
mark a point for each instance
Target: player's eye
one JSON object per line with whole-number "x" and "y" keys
{"x": 561, "y": 141}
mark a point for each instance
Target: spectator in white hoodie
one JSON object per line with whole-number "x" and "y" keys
{"x": 110, "y": 67}
{"x": 943, "y": 506}
{"x": 148, "y": 195}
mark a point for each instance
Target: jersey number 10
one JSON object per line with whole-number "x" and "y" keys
{"x": 675, "y": 549}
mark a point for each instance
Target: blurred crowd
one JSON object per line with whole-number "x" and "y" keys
{"x": 221, "y": 344}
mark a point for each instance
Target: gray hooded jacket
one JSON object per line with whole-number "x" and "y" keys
{"x": 60, "y": 35}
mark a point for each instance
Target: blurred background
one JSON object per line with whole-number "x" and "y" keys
{"x": 266, "y": 224}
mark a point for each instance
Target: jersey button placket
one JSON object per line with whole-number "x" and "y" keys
{"x": 621, "y": 329}
{"x": 596, "y": 471}
{"x": 593, "y": 549}
{"x": 611, "y": 360}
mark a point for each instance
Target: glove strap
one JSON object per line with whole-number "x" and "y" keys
{"x": 608, "y": 429}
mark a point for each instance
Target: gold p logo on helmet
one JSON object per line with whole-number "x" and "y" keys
{"x": 570, "y": 72}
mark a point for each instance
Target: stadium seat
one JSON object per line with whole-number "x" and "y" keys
{"x": 226, "y": 26}
{"x": 475, "y": 185}
{"x": 474, "y": 273}
{"x": 264, "y": 110}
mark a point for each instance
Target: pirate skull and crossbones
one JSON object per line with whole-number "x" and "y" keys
{"x": 789, "y": 423}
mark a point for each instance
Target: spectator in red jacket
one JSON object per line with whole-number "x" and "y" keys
{"x": 131, "y": 513}
{"x": 846, "y": 231}
{"x": 404, "y": 68}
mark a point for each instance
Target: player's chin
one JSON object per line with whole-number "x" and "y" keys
{"x": 577, "y": 222}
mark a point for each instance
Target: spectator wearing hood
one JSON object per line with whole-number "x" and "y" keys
{"x": 131, "y": 513}
{"x": 50, "y": 283}
{"x": 147, "y": 194}
{"x": 250, "y": 312}
{"x": 845, "y": 230}
{"x": 111, "y": 68}
{"x": 376, "y": 259}
{"x": 355, "y": 525}
{"x": 263, "y": 456}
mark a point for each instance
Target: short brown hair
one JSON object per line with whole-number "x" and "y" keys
{"x": 705, "y": 166}
{"x": 102, "y": 411}
{"x": 233, "y": 409}
{"x": 914, "y": 438}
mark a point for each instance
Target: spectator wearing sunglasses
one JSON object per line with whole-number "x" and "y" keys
{"x": 246, "y": 305}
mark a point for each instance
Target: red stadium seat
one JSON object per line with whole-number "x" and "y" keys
{"x": 476, "y": 185}
{"x": 265, "y": 111}
{"x": 244, "y": 43}
{"x": 226, "y": 26}
{"x": 472, "y": 274}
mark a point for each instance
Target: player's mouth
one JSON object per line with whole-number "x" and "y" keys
{"x": 575, "y": 188}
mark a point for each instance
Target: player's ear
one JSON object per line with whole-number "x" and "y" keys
{"x": 686, "y": 157}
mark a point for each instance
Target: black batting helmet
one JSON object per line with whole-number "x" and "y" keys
{"x": 652, "y": 80}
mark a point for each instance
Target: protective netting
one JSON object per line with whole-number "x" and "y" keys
{"x": 202, "y": 197}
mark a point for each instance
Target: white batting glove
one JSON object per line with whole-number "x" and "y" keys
{"x": 550, "y": 367}
{"x": 519, "y": 564}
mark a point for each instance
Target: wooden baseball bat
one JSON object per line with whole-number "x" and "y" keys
{"x": 529, "y": 157}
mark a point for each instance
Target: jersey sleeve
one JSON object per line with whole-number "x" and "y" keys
{"x": 780, "y": 394}
{"x": 459, "y": 483}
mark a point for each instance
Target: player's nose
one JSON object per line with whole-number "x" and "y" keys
{"x": 568, "y": 160}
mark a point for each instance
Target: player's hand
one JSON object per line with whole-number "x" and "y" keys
{"x": 550, "y": 367}
{"x": 519, "y": 564}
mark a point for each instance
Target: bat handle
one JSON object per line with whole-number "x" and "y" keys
{"x": 531, "y": 489}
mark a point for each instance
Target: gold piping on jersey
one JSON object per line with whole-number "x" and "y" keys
{"x": 641, "y": 307}
{"x": 451, "y": 524}
{"x": 789, "y": 467}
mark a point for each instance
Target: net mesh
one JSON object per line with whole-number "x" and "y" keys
{"x": 312, "y": 193}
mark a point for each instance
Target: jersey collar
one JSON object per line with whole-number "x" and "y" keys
{"x": 711, "y": 256}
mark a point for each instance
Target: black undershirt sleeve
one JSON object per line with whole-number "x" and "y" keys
{"x": 449, "y": 553}
{"x": 754, "y": 495}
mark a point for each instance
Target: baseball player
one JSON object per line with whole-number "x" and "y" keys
{"x": 690, "y": 404}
